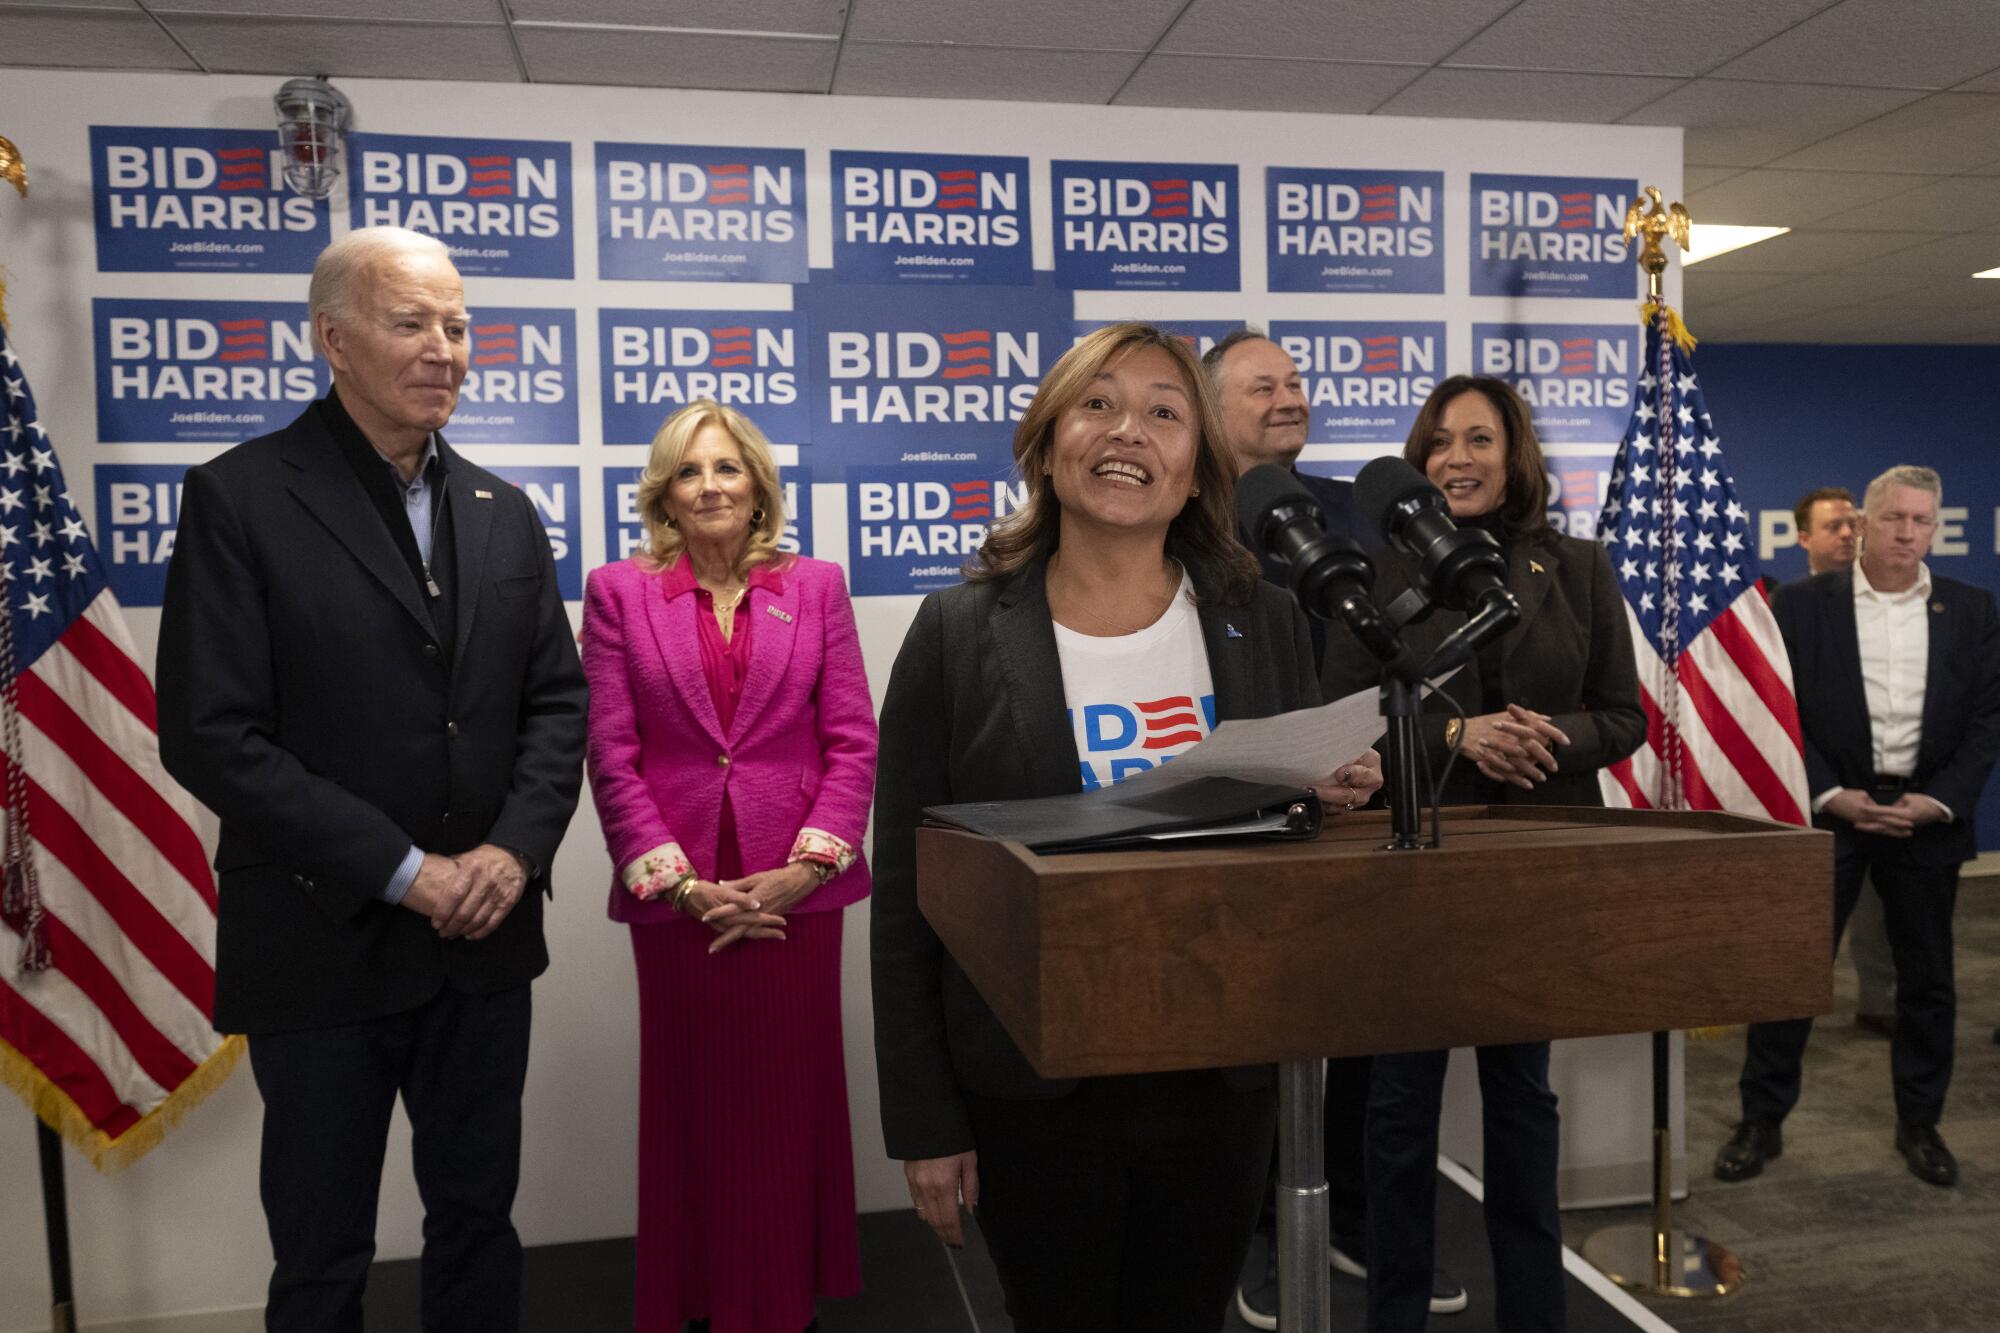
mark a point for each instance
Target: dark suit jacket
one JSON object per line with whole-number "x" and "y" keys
{"x": 1569, "y": 655}
{"x": 1961, "y": 724}
{"x": 975, "y": 712}
{"x": 305, "y": 698}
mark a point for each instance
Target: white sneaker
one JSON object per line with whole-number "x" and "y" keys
{"x": 1447, "y": 1296}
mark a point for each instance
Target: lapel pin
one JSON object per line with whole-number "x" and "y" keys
{"x": 779, "y": 614}
{"x": 1937, "y": 608}
{"x": 1231, "y": 630}
{"x": 1536, "y": 566}
{"x": 482, "y": 495}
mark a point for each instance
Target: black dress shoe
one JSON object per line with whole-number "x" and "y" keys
{"x": 1930, "y": 1161}
{"x": 1753, "y": 1143}
{"x": 1877, "y": 1025}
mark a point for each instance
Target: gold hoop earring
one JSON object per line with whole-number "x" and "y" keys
{"x": 671, "y": 523}
{"x": 757, "y": 517}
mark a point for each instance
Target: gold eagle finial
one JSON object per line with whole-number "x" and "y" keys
{"x": 1664, "y": 220}
{"x": 12, "y": 168}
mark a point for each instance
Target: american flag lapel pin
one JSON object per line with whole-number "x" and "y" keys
{"x": 782, "y": 615}
{"x": 1231, "y": 630}
{"x": 1536, "y": 566}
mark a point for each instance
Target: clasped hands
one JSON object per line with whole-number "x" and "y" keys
{"x": 1910, "y": 812}
{"x": 752, "y": 907}
{"x": 1517, "y": 746}
{"x": 467, "y": 896}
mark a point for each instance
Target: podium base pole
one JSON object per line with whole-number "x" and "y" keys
{"x": 1678, "y": 1264}
{"x": 1304, "y": 1289}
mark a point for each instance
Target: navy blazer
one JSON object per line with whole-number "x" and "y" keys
{"x": 975, "y": 712}
{"x": 1961, "y": 723}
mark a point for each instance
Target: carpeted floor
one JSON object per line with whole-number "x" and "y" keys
{"x": 1837, "y": 1236}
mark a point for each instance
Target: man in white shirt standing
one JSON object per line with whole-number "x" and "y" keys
{"x": 1898, "y": 679}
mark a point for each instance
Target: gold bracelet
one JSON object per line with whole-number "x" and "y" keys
{"x": 682, "y": 888}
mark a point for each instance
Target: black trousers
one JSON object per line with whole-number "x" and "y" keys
{"x": 1522, "y": 1134}
{"x": 1345, "y": 1156}
{"x": 1918, "y": 899}
{"x": 459, "y": 1061}
{"x": 1125, "y": 1207}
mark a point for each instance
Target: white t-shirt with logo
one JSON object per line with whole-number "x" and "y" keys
{"x": 1137, "y": 700}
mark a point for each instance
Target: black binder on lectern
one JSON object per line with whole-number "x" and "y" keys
{"x": 1141, "y": 814}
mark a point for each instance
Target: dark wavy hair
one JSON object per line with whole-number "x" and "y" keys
{"x": 1202, "y": 536}
{"x": 1526, "y": 505}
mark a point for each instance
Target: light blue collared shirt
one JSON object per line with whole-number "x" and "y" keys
{"x": 417, "y": 504}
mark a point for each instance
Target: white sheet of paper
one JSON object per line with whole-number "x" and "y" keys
{"x": 1291, "y": 748}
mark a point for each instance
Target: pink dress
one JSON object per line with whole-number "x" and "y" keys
{"x": 746, "y": 1169}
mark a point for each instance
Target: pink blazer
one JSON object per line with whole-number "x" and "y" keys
{"x": 799, "y": 755}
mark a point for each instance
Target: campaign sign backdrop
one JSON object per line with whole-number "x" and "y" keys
{"x": 931, "y": 217}
{"x": 920, "y": 377}
{"x": 1364, "y": 380}
{"x": 624, "y": 534}
{"x": 652, "y": 363}
{"x": 520, "y": 387}
{"x": 201, "y": 370}
{"x": 138, "y": 505}
{"x": 910, "y": 528}
{"x": 501, "y": 205}
{"x": 1353, "y": 231}
{"x": 558, "y": 499}
{"x": 1551, "y": 236}
{"x": 174, "y": 200}
{"x": 1576, "y": 378}
{"x": 1576, "y": 488}
{"x": 680, "y": 213}
{"x": 1198, "y": 334}
{"x": 1166, "y": 225}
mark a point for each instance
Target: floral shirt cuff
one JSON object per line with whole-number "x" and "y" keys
{"x": 657, "y": 871}
{"x": 818, "y": 845}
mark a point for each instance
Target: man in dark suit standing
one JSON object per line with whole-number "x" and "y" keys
{"x": 1898, "y": 679}
{"x": 367, "y": 672}
{"x": 1267, "y": 417}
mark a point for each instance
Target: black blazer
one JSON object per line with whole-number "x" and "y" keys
{"x": 975, "y": 712}
{"x": 305, "y": 698}
{"x": 1569, "y": 655}
{"x": 1961, "y": 724}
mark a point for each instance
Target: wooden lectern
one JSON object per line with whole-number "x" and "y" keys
{"x": 1528, "y": 924}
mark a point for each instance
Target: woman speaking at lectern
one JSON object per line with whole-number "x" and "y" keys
{"x": 1550, "y": 702}
{"x": 1105, "y": 626}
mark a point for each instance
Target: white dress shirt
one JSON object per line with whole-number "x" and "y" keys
{"x": 1893, "y": 629}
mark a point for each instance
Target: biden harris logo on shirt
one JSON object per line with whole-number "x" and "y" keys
{"x": 187, "y": 200}
{"x": 1116, "y": 740}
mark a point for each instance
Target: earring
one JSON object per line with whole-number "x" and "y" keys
{"x": 1195, "y": 494}
{"x": 757, "y": 517}
{"x": 671, "y": 523}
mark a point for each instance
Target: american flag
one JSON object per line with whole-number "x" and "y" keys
{"x": 107, "y": 922}
{"x": 1722, "y": 722}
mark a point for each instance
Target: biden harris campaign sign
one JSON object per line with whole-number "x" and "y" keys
{"x": 1575, "y": 378}
{"x": 911, "y": 527}
{"x": 1353, "y": 231}
{"x": 138, "y": 506}
{"x": 678, "y": 213}
{"x": 170, "y": 371}
{"x": 502, "y": 206}
{"x": 1162, "y": 225}
{"x": 652, "y": 363}
{"x": 1199, "y": 334}
{"x": 558, "y": 501}
{"x": 520, "y": 387}
{"x": 172, "y": 200}
{"x": 1364, "y": 380}
{"x": 931, "y": 217}
{"x": 624, "y": 533}
{"x": 1551, "y": 236}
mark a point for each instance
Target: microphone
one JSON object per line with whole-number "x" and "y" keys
{"x": 1331, "y": 575}
{"x": 1461, "y": 568}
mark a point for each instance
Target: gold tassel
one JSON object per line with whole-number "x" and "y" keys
{"x": 55, "y": 1109}
{"x": 1713, "y": 1034}
{"x": 1677, "y": 328}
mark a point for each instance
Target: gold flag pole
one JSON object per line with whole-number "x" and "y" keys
{"x": 15, "y": 172}
{"x": 1653, "y": 1257}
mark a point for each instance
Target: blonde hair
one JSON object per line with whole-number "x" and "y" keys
{"x": 1202, "y": 536}
{"x": 670, "y": 446}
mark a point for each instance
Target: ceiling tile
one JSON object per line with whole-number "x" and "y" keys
{"x": 1887, "y": 43}
{"x": 1101, "y": 25}
{"x": 1956, "y": 203}
{"x": 1748, "y": 124}
{"x": 70, "y": 4}
{"x": 1491, "y": 94}
{"x": 815, "y": 16}
{"x": 1814, "y": 251}
{"x": 1947, "y": 132}
{"x": 87, "y": 39}
{"x": 1940, "y": 257}
{"x": 1703, "y": 290}
{"x": 355, "y": 50}
{"x": 1406, "y": 32}
{"x": 1630, "y": 36}
{"x": 1231, "y": 83}
{"x": 677, "y": 60}
{"x": 472, "y": 11}
{"x": 1766, "y": 198}
{"x": 1695, "y": 178}
{"x": 873, "y": 70}
{"x": 1986, "y": 83}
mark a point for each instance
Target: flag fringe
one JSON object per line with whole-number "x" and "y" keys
{"x": 55, "y": 1109}
{"x": 1677, "y": 327}
{"x": 1714, "y": 1034}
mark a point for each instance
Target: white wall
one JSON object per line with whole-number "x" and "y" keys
{"x": 181, "y": 1231}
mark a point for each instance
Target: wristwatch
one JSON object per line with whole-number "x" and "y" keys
{"x": 1452, "y": 728}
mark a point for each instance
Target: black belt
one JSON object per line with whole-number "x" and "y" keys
{"x": 1884, "y": 788}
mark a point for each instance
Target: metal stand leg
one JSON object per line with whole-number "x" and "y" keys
{"x": 1303, "y": 1294}
{"x": 1655, "y": 1258}
{"x": 55, "y": 1214}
